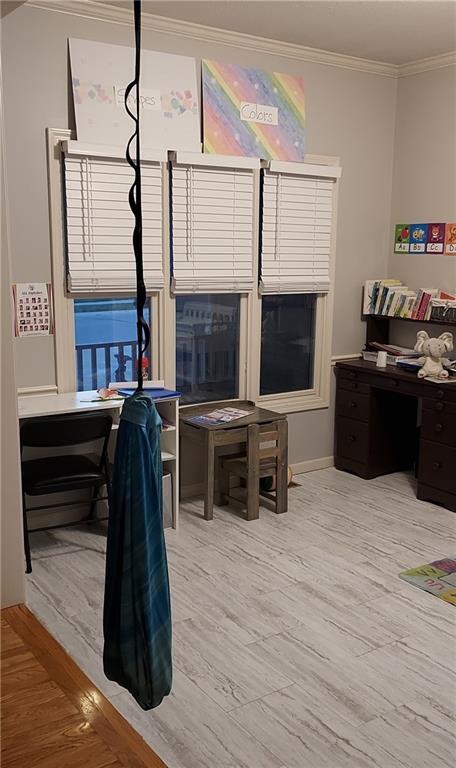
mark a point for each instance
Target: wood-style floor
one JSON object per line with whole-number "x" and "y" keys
{"x": 52, "y": 715}
{"x": 296, "y": 645}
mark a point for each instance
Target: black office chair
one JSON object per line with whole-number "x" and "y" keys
{"x": 61, "y": 473}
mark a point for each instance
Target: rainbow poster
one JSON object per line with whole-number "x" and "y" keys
{"x": 252, "y": 112}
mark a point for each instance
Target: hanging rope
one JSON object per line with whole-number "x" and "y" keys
{"x": 135, "y": 201}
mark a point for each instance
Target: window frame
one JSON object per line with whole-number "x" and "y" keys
{"x": 163, "y": 307}
{"x": 64, "y": 332}
{"x": 319, "y": 395}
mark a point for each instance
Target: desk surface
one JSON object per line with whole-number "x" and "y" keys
{"x": 392, "y": 371}
{"x": 257, "y": 415}
{"x": 32, "y": 406}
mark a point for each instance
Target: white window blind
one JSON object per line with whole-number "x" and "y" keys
{"x": 296, "y": 233}
{"x": 99, "y": 225}
{"x": 212, "y": 228}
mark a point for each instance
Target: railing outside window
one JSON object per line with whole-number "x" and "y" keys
{"x": 98, "y": 364}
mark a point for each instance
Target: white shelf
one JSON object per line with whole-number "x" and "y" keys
{"x": 167, "y": 456}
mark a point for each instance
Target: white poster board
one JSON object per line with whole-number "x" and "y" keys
{"x": 169, "y": 97}
{"x": 32, "y": 309}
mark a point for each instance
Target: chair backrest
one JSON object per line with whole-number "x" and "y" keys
{"x": 274, "y": 434}
{"x": 69, "y": 429}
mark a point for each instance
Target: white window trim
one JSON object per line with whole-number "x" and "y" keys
{"x": 64, "y": 332}
{"x": 65, "y": 365}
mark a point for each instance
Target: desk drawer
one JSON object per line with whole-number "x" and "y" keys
{"x": 439, "y": 427}
{"x": 352, "y": 404}
{"x": 437, "y": 466}
{"x": 439, "y": 406}
{"x": 351, "y": 381}
{"x": 352, "y": 439}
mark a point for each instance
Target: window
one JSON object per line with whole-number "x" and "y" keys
{"x": 106, "y": 346}
{"x": 287, "y": 343}
{"x": 214, "y": 335}
{"x": 207, "y": 347}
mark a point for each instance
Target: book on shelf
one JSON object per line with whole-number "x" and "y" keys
{"x": 391, "y": 298}
{"x": 373, "y": 293}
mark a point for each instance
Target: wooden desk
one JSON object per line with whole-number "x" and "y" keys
{"x": 231, "y": 433}
{"x": 376, "y": 427}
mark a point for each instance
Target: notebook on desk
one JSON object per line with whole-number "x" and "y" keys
{"x": 154, "y": 394}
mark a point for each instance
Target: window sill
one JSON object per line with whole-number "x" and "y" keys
{"x": 293, "y": 402}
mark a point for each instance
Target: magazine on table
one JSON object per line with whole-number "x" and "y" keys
{"x": 219, "y": 416}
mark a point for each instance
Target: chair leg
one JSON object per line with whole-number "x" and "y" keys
{"x": 93, "y": 503}
{"x": 224, "y": 486}
{"x": 253, "y": 473}
{"x": 282, "y": 469}
{"x": 28, "y": 559}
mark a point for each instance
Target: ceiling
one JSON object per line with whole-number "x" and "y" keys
{"x": 392, "y": 31}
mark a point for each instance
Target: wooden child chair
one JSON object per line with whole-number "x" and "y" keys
{"x": 259, "y": 461}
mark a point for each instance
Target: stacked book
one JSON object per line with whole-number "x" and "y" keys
{"x": 391, "y": 298}
{"x": 395, "y": 354}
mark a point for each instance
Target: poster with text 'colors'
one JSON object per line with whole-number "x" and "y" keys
{"x": 168, "y": 97}
{"x": 253, "y": 113}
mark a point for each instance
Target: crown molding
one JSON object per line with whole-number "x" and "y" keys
{"x": 90, "y": 9}
{"x": 427, "y": 65}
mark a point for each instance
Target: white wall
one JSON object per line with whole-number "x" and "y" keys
{"x": 349, "y": 114}
{"x": 12, "y": 558}
{"x": 424, "y": 177}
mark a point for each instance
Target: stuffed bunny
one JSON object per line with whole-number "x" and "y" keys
{"x": 433, "y": 363}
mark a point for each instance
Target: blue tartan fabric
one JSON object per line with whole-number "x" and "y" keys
{"x": 137, "y": 612}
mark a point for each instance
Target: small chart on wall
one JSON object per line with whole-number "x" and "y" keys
{"x": 252, "y": 112}
{"x": 100, "y": 74}
{"x": 434, "y": 238}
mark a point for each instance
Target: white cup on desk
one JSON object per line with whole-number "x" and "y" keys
{"x": 381, "y": 359}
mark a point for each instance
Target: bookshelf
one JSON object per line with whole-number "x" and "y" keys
{"x": 378, "y": 326}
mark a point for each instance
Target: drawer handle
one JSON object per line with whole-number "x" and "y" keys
{"x": 354, "y": 385}
{"x": 352, "y": 404}
{"x": 437, "y": 464}
{"x": 438, "y": 427}
{"x": 351, "y": 438}
{"x": 440, "y": 393}
{"x": 352, "y": 375}
{"x": 439, "y": 406}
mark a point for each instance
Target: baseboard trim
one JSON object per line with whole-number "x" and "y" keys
{"x": 312, "y": 464}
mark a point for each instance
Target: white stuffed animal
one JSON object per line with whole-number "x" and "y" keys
{"x": 433, "y": 364}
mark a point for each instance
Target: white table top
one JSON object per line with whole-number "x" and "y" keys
{"x": 31, "y": 406}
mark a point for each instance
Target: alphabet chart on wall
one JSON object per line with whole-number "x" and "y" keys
{"x": 432, "y": 238}
{"x": 33, "y": 309}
